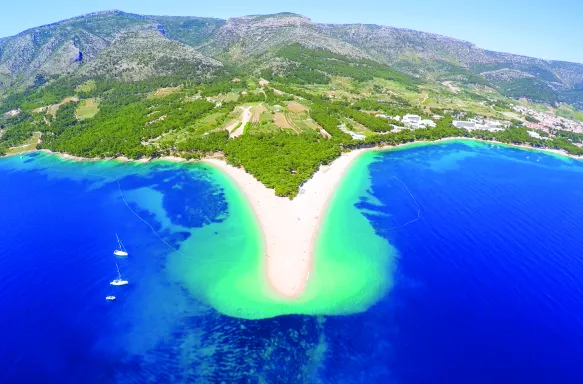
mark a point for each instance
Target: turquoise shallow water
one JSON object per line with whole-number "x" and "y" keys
{"x": 482, "y": 286}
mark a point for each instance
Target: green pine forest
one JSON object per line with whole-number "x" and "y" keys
{"x": 138, "y": 120}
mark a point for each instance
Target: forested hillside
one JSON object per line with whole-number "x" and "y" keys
{"x": 277, "y": 94}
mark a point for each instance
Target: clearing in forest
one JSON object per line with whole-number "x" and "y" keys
{"x": 87, "y": 109}
{"x": 256, "y": 113}
{"x": 229, "y": 97}
{"x": 52, "y": 109}
{"x": 161, "y": 92}
{"x": 356, "y": 127}
{"x": 30, "y": 145}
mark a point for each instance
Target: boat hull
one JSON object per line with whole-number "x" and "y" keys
{"x": 120, "y": 253}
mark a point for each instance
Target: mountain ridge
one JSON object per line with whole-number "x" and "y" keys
{"x": 148, "y": 17}
{"x": 40, "y": 54}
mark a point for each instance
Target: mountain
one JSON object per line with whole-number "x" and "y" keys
{"x": 244, "y": 37}
{"x": 111, "y": 43}
{"x": 145, "y": 52}
{"x": 443, "y": 58}
{"x": 133, "y": 47}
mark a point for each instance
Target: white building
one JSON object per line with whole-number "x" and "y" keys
{"x": 464, "y": 124}
{"x": 415, "y": 121}
{"x": 411, "y": 119}
{"x": 492, "y": 126}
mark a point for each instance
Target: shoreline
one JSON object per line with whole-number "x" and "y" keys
{"x": 290, "y": 227}
{"x": 177, "y": 159}
{"x": 551, "y": 151}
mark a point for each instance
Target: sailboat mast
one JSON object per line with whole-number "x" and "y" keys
{"x": 121, "y": 247}
{"x": 118, "y": 272}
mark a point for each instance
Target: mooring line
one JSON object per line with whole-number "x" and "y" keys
{"x": 109, "y": 178}
{"x": 414, "y": 200}
{"x": 142, "y": 219}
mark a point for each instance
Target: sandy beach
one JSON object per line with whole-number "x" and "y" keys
{"x": 290, "y": 226}
{"x": 178, "y": 159}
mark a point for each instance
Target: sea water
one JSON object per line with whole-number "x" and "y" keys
{"x": 472, "y": 251}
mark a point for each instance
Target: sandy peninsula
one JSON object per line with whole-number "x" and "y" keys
{"x": 290, "y": 226}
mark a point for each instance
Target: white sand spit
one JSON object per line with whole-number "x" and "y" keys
{"x": 290, "y": 227}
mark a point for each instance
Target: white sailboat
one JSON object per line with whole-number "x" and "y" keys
{"x": 110, "y": 298}
{"x": 119, "y": 281}
{"x": 120, "y": 251}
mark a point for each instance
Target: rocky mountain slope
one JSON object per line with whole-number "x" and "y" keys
{"x": 111, "y": 43}
{"x": 135, "y": 47}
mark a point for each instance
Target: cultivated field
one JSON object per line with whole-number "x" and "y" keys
{"x": 281, "y": 121}
{"x": 161, "y": 92}
{"x": 257, "y": 112}
{"x": 87, "y": 109}
{"x": 296, "y": 107}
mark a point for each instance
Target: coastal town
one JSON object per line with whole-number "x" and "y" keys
{"x": 547, "y": 121}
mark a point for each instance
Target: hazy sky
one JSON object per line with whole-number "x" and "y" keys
{"x": 539, "y": 28}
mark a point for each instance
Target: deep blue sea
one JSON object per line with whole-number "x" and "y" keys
{"x": 489, "y": 280}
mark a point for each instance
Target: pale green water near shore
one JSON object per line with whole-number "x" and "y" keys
{"x": 352, "y": 265}
{"x": 221, "y": 262}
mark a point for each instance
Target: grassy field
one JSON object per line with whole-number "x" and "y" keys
{"x": 30, "y": 145}
{"x": 257, "y": 128}
{"x": 356, "y": 127}
{"x": 87, "y": 108}
{"x": 208, "y": 123}
{"x": 161, "y": 92}
{"x": 257, "y": 113}
{"x": 569, "y": 112}
{"x": 229, "y": 97}
{"x": 266, "y": 117}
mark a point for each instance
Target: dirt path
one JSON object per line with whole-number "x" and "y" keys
{"x": 244, "y": 120}
{"x": 325, "y": 134}
{"x": 425, "y": 97}
{"x": 232, "y": 126}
